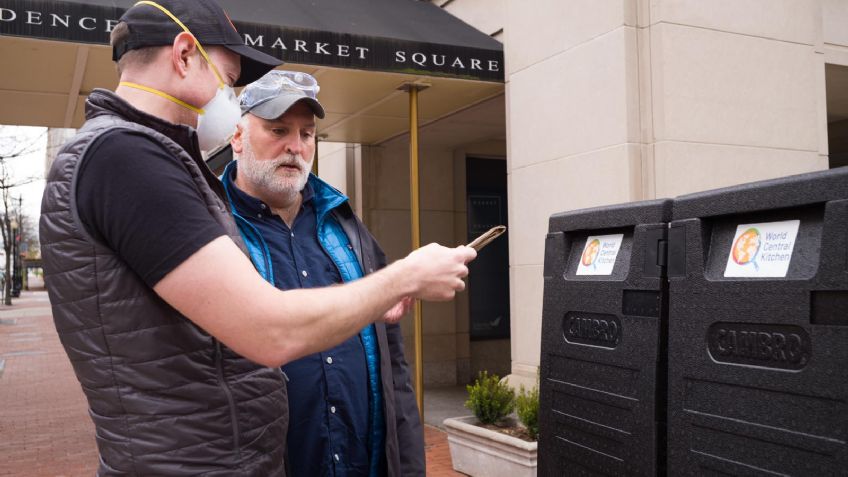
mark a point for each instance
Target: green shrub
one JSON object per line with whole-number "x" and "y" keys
{"x": 489, "y": 399}
{"x": 527, "y": 408}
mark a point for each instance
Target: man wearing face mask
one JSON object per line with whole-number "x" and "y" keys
{"x": 353, "y": 411}
{"x": 175, "y": 338}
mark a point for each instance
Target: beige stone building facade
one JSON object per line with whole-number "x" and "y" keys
{"x": 606, "y": 101}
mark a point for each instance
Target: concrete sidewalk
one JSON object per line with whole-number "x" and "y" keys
{"x": 44, "y": 425}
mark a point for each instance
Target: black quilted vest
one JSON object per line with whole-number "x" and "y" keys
{"x": 166, "y": 398}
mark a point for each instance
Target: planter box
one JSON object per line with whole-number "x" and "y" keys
{"x": 480, "y": 452}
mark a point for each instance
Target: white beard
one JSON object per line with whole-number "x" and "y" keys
{"x": 264, "y": 174}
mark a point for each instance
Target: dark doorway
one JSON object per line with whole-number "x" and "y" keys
{"x": 836, "y": 84}
{"x": 488, "y": 283}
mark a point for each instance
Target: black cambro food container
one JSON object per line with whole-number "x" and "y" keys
{"x": 602, "y": 382}
{"x": 758, "y": 329}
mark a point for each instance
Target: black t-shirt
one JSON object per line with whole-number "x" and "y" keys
{"x": 138, "y": 199}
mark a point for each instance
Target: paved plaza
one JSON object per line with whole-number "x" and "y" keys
{"x": 44, "y": 426}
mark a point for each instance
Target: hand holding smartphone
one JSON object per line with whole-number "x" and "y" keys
{"x": 487, "y": 237}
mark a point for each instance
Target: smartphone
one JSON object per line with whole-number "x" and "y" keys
{"x": 487, "y": 237}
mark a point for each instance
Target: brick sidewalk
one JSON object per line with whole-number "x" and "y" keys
{"x": 44, "y": 425}
{"x": 438, "y": 455}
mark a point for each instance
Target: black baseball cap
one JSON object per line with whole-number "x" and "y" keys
{"x": 207, "y": 21}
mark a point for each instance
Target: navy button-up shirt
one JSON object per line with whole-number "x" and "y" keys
{"x": 328, "y": 391}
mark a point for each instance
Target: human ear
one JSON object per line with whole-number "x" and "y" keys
{"x": 236, "y": 141}
{"x": 183, "y": 52}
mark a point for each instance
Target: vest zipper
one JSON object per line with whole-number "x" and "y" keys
{"x": 219, "y": 364}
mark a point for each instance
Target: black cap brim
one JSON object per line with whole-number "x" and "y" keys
{"x": 254, "y": 63}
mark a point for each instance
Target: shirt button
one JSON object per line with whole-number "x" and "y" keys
{"x": 304, "y": 273}
{"x": 292, "y": 234}
{"x": 333, "y": 409}
{"x": 336, "y": 456}
{"x": 263, "y": 206}
{"x": 329, "y": 360}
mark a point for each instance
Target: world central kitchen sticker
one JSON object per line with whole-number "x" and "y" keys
{"x": 599, "y": 254}
{"x": 762, "y": 250}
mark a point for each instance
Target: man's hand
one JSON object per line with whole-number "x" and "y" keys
{"x": 275, "y": 327}
{"x": 396, "y": 312}
{"x": 437, "y": 272}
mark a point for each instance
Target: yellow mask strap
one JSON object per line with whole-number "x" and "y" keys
{"x": 162, "y": 94}
{"x": 185, "y": 28}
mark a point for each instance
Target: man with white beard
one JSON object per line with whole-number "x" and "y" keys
{"x": 352, "y": 409}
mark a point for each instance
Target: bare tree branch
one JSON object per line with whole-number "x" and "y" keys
{"x": 19, "y": 182}
{"x": 13, "y": 145}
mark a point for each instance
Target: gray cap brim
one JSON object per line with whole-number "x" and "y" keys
{"x": 276, "y": 107}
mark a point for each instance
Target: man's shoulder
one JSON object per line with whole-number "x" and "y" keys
{"x": 126, "y": 141}
{"x": 126, "y": 159}
{"x": 125, "y": 149}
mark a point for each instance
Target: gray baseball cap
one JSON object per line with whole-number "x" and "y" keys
{"x": 272, "y": 95}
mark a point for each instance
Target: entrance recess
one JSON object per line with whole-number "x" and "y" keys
{"x": 372, "y": 58}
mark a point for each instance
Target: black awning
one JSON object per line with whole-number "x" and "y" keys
{"x": 407, "y": 36}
